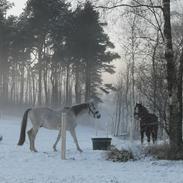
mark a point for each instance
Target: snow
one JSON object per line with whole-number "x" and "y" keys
{"x": 19, "y": 165}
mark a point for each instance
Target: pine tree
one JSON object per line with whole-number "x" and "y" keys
{"x": 90, "y": 44}
{"x": 42, "y": 17}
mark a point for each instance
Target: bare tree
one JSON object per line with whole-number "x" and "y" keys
{"x": 174, "y": 118}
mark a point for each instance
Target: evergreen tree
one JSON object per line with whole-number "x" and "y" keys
{"x": 6, "y": 38}
{"x": 90, "y": 47}
{"x": 42, "y": 17}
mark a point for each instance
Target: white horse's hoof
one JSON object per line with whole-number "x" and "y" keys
{"x": 54, "y": 149}
{"x": 1, "y": 138}
{"x": 80, "y": 150}
{"x": 34, "y": 150}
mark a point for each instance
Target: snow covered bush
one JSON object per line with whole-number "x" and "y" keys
{"x": 122, "y": 155}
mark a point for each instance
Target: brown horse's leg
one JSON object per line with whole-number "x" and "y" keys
{"x": 148, "y": 135}
{"x": 142, "y": 136}
{"x": 155, "y": 134}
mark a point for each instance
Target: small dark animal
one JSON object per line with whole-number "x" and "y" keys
{"x": 148, "y": 123}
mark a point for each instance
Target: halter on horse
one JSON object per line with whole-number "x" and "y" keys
{"x": 51, "y": 119}
{"x": 148, "y": 123}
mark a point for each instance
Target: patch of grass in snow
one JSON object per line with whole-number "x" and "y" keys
{"x": 163, "y": 152}
{"x": 117, "y": 155}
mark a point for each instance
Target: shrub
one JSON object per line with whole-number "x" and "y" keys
{"x": 164, "y": 152}
{"x": 119, "y": 155}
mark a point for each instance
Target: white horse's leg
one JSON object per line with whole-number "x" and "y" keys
{"x": 58, "y": 138}
{"x": 73, "y": 133}
{"x": 30, "y": 139}
{"x": 32, "y": 135}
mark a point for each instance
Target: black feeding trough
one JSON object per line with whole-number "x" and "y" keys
{"x": 101, "y": 143}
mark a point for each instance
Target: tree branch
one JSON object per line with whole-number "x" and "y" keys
{"x": 130, "y": 6}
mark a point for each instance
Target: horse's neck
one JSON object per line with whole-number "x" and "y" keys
{"x": 82, "y": 112}
{"x": 144, "y": 113}
{"x": 144, "y": 110}
{"x": 79, "y": 109}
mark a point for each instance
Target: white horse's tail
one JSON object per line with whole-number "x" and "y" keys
{"x": 23, "y": 127}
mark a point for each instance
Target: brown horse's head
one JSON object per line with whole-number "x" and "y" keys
{"x": 138, "y": 111}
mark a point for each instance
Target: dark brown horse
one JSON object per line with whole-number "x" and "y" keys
{"x": 148, "y": 123}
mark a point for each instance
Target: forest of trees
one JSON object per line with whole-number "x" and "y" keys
{"x": 54, "y": 55}
{"x": 51, "y": 54}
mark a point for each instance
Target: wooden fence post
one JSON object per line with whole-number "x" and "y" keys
{"x": 63, "y": 136}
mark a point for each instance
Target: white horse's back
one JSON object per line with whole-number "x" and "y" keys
{"x": 45, "y": 117}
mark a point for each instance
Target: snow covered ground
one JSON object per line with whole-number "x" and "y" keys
{"x": 19, "y": 165}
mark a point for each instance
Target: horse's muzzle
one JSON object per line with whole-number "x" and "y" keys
{"x": 98, "y": 116}
{"x": 136, "y": 116}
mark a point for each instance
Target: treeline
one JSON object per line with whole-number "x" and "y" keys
{"x": 51, "y": 54}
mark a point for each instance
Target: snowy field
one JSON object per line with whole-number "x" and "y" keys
{"x": 19, "y": 165}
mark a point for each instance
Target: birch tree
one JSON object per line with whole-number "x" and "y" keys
{"x": 174, "y": 117}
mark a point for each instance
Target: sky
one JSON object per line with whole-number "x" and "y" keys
{"x": 18, "y": 8}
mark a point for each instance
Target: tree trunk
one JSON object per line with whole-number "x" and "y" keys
{"x": 77, "y": 86}
{"x": 54, "y": 82}
{"x": 175, "y": 129}
{"x": 67, "y": 84}
{"x": 87, "y": 82}
{"x": 30, "y": 101}
{"x": 154, "y": 74}
{"x": 60, "y": 89}
{"x": 22, "y": 84}
{"x": 180, "y": 75}
{"x": 33, "y": 89}
{"x": 40, "y": 64}
{"x": 5, "y": 79}
{"x": 46, "y": 85}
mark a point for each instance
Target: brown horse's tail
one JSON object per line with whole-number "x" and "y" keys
{"x": 23, "y": 127}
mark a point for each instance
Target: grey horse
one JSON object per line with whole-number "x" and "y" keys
{"x": 51, "y": 119}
